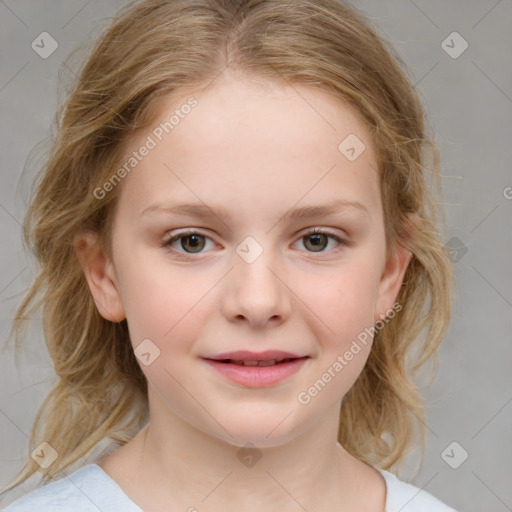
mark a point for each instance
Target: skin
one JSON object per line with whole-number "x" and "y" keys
{"x": 257, "y": 149}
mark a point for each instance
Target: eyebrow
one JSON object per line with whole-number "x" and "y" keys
{"x": 201, "y": 210}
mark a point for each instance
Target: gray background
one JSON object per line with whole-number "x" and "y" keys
{"x": 469, "y": 101}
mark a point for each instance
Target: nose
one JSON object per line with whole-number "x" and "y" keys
{"x": 256, "y": 291}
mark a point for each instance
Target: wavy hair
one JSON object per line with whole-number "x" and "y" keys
{"x": 152, "y": 49}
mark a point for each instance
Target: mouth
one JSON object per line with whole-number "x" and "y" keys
{"x": 246, "y": 356}
{"x": 264, "y": 362}
{"x": 256, "y": 370}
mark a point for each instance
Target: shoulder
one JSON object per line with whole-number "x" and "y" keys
{"x": 405, "y": 497}
{"x": 87, "y": 489}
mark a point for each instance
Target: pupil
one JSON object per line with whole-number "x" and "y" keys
{"x": 318, "y": 240}
{"x": 195, "y": 242}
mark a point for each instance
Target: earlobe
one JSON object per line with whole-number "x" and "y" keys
{"x": 99, "y": 273}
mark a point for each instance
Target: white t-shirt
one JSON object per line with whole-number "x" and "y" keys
{"x": 90, "y": 489}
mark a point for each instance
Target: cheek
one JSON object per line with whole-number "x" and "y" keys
{"x": 161, "y": 302}
{"x": 344, "y": 305}
{"x": 344, "y": 302}
{"x": 169, "y": 311}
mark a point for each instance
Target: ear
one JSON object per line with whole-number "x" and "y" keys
{"x": 394, "y": 271}
{"x": 100, "y": 276}
{"x": 391, "y": 281}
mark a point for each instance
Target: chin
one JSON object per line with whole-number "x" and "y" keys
{"x": 263, "y": 434}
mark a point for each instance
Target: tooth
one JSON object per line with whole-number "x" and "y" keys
{"x": 239, "y": 362}
{"x": 267, "y": 363}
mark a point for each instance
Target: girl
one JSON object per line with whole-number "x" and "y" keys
{"x": 239, "y": 253}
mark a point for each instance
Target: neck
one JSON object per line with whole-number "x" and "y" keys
{"x": 180, "y": 465}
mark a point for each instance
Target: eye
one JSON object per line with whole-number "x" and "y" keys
{"x": 317, "y": 239}
{"x": 190, "y": 242}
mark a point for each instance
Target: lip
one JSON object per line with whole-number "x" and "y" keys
{"x": 246, "y": 355}
{"x": 257, "y": 376}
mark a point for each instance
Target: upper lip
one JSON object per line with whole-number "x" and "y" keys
{"x": 246, "y": 355}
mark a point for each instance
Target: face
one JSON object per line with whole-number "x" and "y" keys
{"x": 284, "y": 252}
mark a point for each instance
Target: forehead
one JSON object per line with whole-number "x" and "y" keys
{"x": 256, "y": 141}
{"x": 259, "y": 112}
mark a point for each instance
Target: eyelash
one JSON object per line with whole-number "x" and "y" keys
{"x": 184, "y": 255}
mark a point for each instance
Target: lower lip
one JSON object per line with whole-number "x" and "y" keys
{"x": 258, "y": 376}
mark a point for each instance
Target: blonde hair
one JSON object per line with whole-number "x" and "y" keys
{"x": 157, "y": 47}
